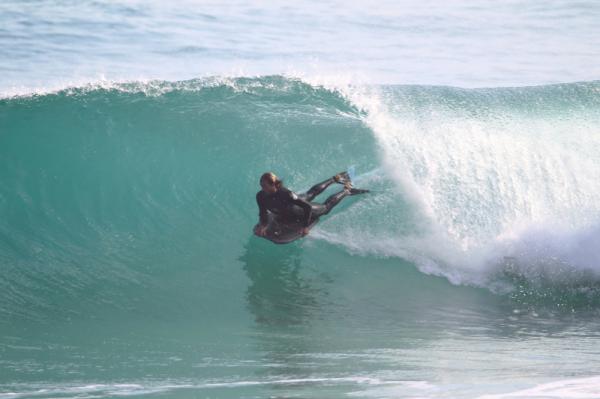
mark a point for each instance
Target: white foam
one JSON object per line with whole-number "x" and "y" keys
{"x": 143, "y": 388}
{"x": 579, "y": 388}
{"x": 484, "y": 183}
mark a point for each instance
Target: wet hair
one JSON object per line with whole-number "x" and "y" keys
{"x": 271, "y": 179}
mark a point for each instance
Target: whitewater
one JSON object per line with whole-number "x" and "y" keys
{"x": 132, "y": 137}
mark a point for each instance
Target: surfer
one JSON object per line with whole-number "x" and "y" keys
{"x": 290, "y": 207}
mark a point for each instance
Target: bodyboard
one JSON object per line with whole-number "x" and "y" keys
{"x": 284, "y": 233}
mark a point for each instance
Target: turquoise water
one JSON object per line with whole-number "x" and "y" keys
{"x": 132, "y": 137}
{"x": 129, "y": 267}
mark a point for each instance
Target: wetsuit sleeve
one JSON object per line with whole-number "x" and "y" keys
{"x": 304, "y": 205}
{"x": 262, "y": 210}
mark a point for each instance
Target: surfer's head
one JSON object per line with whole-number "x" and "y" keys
{"x": 270, "y": 183}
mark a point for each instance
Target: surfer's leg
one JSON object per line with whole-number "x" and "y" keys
{"x": 335, "y": 199}
{"x": 318, "y": 210}
{"x": 330, "y": 202}
{"x": 320, "y": 187}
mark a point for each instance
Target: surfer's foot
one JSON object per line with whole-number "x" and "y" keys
{"x": 348, "y": 187}
{"x": 342, "y": 178}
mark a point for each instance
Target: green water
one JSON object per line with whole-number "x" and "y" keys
{"x": 129, "y": 266}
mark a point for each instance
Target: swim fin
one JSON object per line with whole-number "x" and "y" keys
{"x": 356, "y": 191}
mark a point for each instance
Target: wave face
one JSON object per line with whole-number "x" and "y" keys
{"x": 110, "y": 192}
{"x": 128, "y": 266}
{"x": 141, "y": 196}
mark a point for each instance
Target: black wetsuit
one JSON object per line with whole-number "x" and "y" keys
{"x": 285, "y": 204}
{"x": 290, "y": 207}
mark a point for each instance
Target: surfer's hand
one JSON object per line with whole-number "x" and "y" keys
{"x": 261, "y": 231}
{"x": 304, "y": 231}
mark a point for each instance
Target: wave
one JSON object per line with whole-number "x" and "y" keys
{"x": 492, "y": 168}
{"x": 107, "y": 189}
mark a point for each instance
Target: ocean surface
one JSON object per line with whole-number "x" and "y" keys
{"x": 132, "y": 138}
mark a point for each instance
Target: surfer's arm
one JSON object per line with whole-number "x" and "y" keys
{"x": 262, "y": 211}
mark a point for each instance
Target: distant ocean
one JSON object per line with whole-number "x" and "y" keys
{"x": 132, "y": 137}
